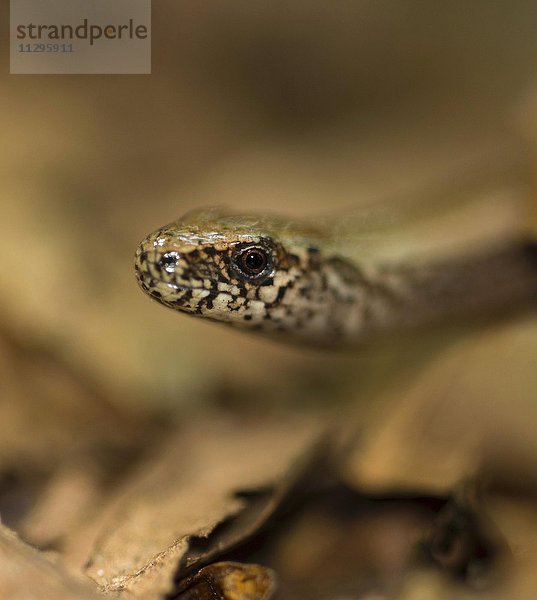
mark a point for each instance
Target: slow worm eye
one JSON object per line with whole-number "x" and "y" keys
{"x": 252, "y": 262}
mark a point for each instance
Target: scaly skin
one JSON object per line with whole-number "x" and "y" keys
{"x": 281, "y": 279}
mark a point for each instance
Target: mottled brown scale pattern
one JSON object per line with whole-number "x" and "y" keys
{"x": 296, "y": 290}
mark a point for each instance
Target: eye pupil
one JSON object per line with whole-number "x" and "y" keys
{"x": 252, "y": 263}
{"x": 254, "y": 260}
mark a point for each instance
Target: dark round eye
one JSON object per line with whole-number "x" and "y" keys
{"x": 253, "y": 262}
{"x": 168, "y": 262}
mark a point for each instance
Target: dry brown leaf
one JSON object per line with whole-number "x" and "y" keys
{"x": 27, "y": 574}
{"x": 63, "y": 443}
{"x": 468, "y": 414}
{"x": 212, "y": 487}
{"x": 470, "y": 411}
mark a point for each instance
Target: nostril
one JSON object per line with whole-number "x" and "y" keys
{"x": 168, "y": 262}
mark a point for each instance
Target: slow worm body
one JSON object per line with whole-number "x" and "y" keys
{"x": 283, "y": 279}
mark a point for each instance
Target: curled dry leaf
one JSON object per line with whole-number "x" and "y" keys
{"x": 469, "y": 415}
{"x": 27, "y": 574}
{"x": 471, "y": 412}
{"x": 63, "y": 442}
{"x": 213, "y": 487}
{"x": 228, "y": 581}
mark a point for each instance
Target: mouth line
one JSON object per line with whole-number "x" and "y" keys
{"x": 156, "y": 288}
{"x": 212, "y": 294}
{"x": 146, "y": 277}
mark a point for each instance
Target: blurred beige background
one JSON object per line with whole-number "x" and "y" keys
{"x": 295, "y": 107}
